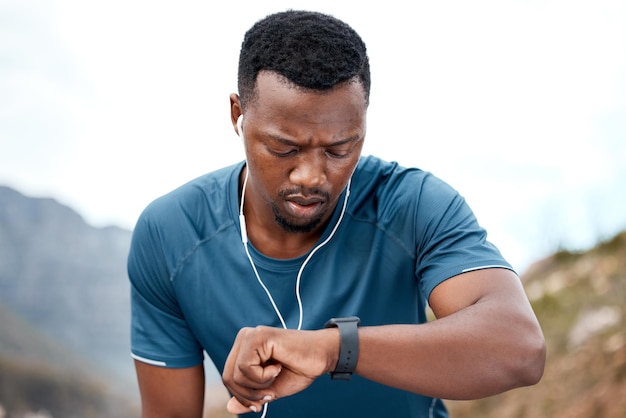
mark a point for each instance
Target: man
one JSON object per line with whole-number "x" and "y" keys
{"x": 250, "y": 262}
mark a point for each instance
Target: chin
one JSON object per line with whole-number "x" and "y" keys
{"x": 303, "y": 227}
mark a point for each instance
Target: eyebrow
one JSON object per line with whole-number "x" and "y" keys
{"x": 288, "y": 142}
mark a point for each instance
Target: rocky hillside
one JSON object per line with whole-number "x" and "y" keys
{"x": 64, "y": 309}
{"x": 66, "y": 278}
{"x": 580, "y": 299}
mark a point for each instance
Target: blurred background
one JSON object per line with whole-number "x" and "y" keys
{"x": 104, "y": 106}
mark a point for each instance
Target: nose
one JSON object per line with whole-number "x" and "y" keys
{"x": 310, "y": 171}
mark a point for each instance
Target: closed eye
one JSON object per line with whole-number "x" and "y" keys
{"x": 280, "y": 147}
{"x": 338, "y": 153}
{"x": 342, "y": 149}
{"x": 282, "y": 154}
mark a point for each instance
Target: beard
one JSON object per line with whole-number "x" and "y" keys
{"x": 289, "y": 226}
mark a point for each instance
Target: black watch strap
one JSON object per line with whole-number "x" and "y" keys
{"x": 349, "y": 346}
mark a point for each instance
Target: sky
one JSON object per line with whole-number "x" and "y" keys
{"x": 519, "y": 105}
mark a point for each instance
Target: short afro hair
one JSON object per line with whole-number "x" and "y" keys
{"x": 310, "y": 49}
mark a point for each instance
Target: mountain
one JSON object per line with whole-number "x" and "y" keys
{"x": 64, "y": 293}
{"x": 40, "y": 375}
{"x": 20, "y": 341}
{"x": 580, "y": 300}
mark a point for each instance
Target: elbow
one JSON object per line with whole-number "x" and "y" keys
{"x": 535, "y": 370}
{"x": 531, "y": 361}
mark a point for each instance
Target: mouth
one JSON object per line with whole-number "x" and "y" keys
{"x": 304, "y": 207}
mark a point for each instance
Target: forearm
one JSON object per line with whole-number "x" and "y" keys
{"x": 476, "y": 352}
{"x": 486, "y": 341}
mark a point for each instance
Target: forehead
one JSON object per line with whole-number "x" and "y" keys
{"x": 277, "y": 97}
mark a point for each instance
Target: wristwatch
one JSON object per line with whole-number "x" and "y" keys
{"x": 349, "y": 346}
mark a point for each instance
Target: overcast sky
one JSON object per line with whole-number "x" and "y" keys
{"x": 520, "y": 105}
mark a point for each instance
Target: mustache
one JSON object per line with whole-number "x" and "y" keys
{"x": 302, "y": 191}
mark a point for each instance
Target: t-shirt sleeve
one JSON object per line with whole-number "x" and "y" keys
{"x": 450, "y": 239}
{"x": 159, "y": 333}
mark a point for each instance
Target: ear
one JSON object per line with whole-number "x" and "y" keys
{"x": 235, "y": 111}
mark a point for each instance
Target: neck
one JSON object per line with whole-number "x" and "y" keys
{"x": 272, "y": 240}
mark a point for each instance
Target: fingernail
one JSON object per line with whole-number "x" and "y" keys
{"x": 253, "y": 408}
{"x": 267, "y": 398}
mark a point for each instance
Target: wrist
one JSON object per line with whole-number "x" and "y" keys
{"x": 332, "y": 344}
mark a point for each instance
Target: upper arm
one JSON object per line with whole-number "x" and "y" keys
{"x": 500, "y": 286}
{"x": 492, "y": 302}
{"x": 170, "y": 392}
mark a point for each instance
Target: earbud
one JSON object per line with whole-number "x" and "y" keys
{"x": 239, "y": 128}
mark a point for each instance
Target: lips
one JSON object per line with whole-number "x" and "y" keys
{"x": 304, "y": 207}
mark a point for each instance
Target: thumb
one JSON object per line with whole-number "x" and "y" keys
{"x": 235, "y": 407}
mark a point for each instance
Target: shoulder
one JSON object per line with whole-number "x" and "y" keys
{"x": 392, "y": 187}
{"x": 373, "y": 173}
{"x": 200, "y": 200}
{"x": 204, "y": 189}
{"x": 181, "y": 218}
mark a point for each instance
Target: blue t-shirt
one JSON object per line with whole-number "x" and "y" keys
{"x": 404, "y": 232}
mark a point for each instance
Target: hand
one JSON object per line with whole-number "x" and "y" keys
{"x": 267, "y": 363}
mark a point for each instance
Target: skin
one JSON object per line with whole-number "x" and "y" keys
{"x": 301, "y": 149}
{"x": 486, "y": 338}
{"x": 170, "y": 393}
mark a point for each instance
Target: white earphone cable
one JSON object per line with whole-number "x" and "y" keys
{"x": 244, "y": 240}
{"x": 244, "y": 236}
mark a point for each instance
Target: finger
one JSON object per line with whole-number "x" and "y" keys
{"x": 236, "y": 407}
{"x": 248, "y": 392}
{"x": 256, "y": 376}
{"x": 251, "y": 367}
